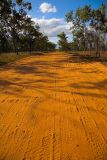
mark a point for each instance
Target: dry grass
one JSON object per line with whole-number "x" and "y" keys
{"x": 6, "y": 58}
{"x": 53, "y": 107}
{"x": 91, "y": 54}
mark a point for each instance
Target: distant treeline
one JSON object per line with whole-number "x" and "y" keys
{"x": 19, "y": 33}
{"x": 17, "y": 30}
{"x": 89, "y": 30}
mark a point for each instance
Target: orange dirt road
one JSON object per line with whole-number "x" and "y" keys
{"x": 53, "y": 107}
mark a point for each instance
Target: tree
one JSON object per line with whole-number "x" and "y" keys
{"x": 18, "y": 20}
{"x": 51, "y": 46}
{"x": 5, "y": 11}
{"x": 86, "y": 18}
{"x": 31, "y": 34}
{"x": 18, "y": 32}
{"x": 63, "y": 42}
{"x": 79, "y": 29}
{"x": 98, "y": 21}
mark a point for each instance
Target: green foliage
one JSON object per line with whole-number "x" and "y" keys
{"x": 63, "y": 43}
{"x": 69, "y": 16}
{"x": 84, "y": 13}
{"x": 17, "y": 31}
{"x": 89, "y": 27}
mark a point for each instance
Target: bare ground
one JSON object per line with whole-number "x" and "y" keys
{"x": 53, "y": 107}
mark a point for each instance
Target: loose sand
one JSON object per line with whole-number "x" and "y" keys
{"x": 53, "y": 107}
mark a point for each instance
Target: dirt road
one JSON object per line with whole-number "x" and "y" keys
{"x": 53, "y": 107}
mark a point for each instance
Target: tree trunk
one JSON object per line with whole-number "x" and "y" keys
{"x": 97, "y": 48}
{"x": 17, "y": 52}
{"x": 30, "y": 47}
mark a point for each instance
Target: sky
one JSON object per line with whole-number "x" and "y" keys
{"x": 50, "y": 15}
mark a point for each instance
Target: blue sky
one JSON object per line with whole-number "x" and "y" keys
{"x": 50, "y": 14}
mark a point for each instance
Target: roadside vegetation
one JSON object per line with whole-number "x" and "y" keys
{"x": 11, "y": 57}
{"x": 19, "y": 33}
{"x": 89, "y": 29}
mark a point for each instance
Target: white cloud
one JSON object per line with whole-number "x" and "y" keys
{"x": 47, "y": 8}
{"x": 53, "y": 39}
{"x": 53, "y": 26}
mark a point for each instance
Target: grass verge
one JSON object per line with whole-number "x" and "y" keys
{"x": 6, "y": 58}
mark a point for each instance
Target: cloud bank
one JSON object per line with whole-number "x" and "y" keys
{"x": 53, "y": 26}
{"x": 47, "y": 8}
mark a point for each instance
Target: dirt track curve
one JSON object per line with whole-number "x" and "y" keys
{"x": 53, "y": 107}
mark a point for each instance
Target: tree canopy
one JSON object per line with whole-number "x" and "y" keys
{"x": 63, "y": 42}
{"x": 89, "y": 27}
{"x": 17, "y": 30}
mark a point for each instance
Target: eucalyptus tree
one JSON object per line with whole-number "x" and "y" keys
{"x": 17, "y": 20}
{"x": 31, "y": 33}
{"x": 79, "y": 28}
{"x": 51, "y": 46}
{"x": 85, "y": 18}
{"x": 63, "y": 42}
{"x": 5, "y": 12}
{"x": 98, "y": 21}
{"x": 42, "y": 43}
{"x": 17, "y": 29}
